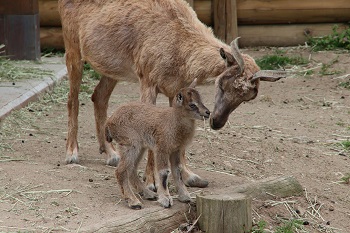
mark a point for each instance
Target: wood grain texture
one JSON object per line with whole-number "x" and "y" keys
{"x": 231, "y": 21}
{"x": 282, "y": 35}
{"x": 229, "y": 213}
{"x": 51, "y": 37}
{"x": 154, "y": 219}
{"x": 18, "y": 7}
{"x": 49, "y": 15}
{"x": 20, "y": 35}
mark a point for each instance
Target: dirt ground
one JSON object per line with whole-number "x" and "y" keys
{"x": 292, "y": 128}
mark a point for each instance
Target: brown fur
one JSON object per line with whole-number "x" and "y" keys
{"x": 166, "y": 131}
{"x": 161, "y": 44}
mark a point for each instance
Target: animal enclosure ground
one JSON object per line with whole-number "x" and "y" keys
{"x": 295, "y": 127}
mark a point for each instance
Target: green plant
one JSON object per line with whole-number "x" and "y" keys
{"x": 259, "y": 227}
{"x": 346, "y": 178}
{"x": 50, "y": 52}
{"x": 345, "y": 84}
{"x": 290, "y": 226}
{"x": 276, "y": 61}
{"x": 345, "y": 144}
{"x": 90, "y": 72}
{"x": 325, "y": 68}
{"x": 338, "y": 39}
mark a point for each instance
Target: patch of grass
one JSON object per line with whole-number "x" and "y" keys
{"x": 276, "y": 61}
{"x": 259, "y": 227}
{"x": 89, "y": 72}
{"x": 15, "y": 70}
{"x": 290, "y": 226}
{"x": 336, "y": 40}
{"x": 52, "y": 52}
{"x": 346, "y": 179}
{"x": 345, "y": 144}
{"x": 326, "y": 68}
{"x": 345, "y": 85}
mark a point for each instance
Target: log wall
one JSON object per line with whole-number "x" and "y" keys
{"x": 257, "y": 22}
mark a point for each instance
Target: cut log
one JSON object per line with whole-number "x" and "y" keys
{"x": 229, "y": 209}
{"x": 224, "y": 213}
{"x": 152, "y": 219}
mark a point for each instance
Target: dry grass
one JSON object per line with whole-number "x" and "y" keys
{"x": 16, "y": 70}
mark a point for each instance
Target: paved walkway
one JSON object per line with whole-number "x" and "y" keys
{"x": 15, "y": 95}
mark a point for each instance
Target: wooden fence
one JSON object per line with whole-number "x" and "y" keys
{"x": 257, "y": 22}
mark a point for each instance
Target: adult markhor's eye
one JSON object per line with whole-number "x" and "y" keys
{"x": 193, "y": 106}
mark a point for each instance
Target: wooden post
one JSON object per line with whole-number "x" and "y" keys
{"x": 224, "y": 213}
{"x": 225, "y": 19}
{"x": 19, "y": 29}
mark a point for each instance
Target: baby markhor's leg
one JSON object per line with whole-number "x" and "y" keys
{"x": 126, "y": 170}
{"x": 162, "y": 174}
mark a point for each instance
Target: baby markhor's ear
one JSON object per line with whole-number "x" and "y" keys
{"x": 179, "y": 99}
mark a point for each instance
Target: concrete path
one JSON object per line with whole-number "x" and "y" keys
{"x": 15, "y": 95}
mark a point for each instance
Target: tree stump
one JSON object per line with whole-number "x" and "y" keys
{"x": 224, "y": 213}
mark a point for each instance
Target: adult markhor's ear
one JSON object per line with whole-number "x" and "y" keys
{"x": 222, "y": 53}
{"x": 229, "y": 59}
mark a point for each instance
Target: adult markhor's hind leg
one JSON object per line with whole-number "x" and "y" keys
{"x": 100, "y": 97}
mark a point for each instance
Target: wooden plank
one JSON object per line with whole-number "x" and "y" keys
{"x": 49, "y": 15}
{"x": 231, "y": 21}
{"x": 282, "y": 35}
{"x": 18, "y": 7}
{"x": 22, "y": 43}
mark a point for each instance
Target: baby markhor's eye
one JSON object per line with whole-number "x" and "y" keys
{"x": 193, "y": 106}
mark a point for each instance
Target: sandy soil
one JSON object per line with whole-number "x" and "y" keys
{"x": 291, "y": 129}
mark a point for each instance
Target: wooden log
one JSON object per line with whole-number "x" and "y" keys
{"x": 282, "y": 35}
{"x": 251, "y": 36}
{"x": 231, "y": 21}
{"x": 286, "y": 11}
{"x": 219, "y": 19}
{"x": 248, "y": 12}
{"x": 51, "y": 37}
{"x": 224, "y": 213}
{"x": 49, "y": 15}
{"x": 153, "y": 219}
{"x": 229, "y": 209}
{"x": 225, "y": 19}
{"x": 281, "y": 187}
